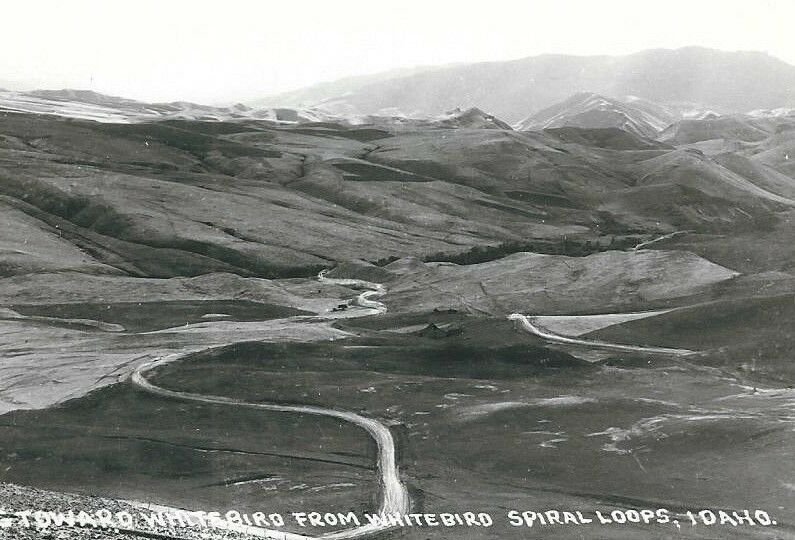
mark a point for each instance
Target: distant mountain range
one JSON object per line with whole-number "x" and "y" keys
{"x": 691, "y": 77}
{"x": 669, "y": 123}
{"x": 89, "y": 105}
{"x": 642, "y": 93}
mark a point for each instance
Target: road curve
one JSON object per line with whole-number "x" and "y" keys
{"x": 394, "y": 495}
{"x": 528, "y": 326}
{"x": 363, "y": 300}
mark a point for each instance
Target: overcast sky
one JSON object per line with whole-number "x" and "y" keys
{"x": 234, "y": 50}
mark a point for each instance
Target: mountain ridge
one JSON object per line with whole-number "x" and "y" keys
{"x": 689, "y": 74}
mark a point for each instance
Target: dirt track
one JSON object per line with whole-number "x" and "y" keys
{"x": 394, "y": 495}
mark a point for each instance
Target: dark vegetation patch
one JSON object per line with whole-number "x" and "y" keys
{"x": 253, "y": 264}
{"x": 337, "y": 130}
{"x": 570, "y": 247}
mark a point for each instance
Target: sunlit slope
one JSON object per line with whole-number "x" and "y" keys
{"x": 550, "y": 284}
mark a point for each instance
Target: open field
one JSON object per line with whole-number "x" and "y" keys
{"x": 586, "y": 436}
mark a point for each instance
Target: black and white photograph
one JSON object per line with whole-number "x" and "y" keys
{"x": 428, "y": 270}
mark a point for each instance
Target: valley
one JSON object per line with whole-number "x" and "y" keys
{"x": 207, "y": 309}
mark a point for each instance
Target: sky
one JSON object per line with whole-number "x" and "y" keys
{"x": 237, "y": 50}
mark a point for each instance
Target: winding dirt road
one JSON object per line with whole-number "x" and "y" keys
{"x": 528, "y": 326}
{"x": 394, "y": 495}
{"x": 363, "y": 300}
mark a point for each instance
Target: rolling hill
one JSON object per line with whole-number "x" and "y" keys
{"x": 133, "y": 231}
{"x": 588, "y": 110}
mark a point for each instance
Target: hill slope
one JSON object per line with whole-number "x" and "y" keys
{"x": 589, "y": 110}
